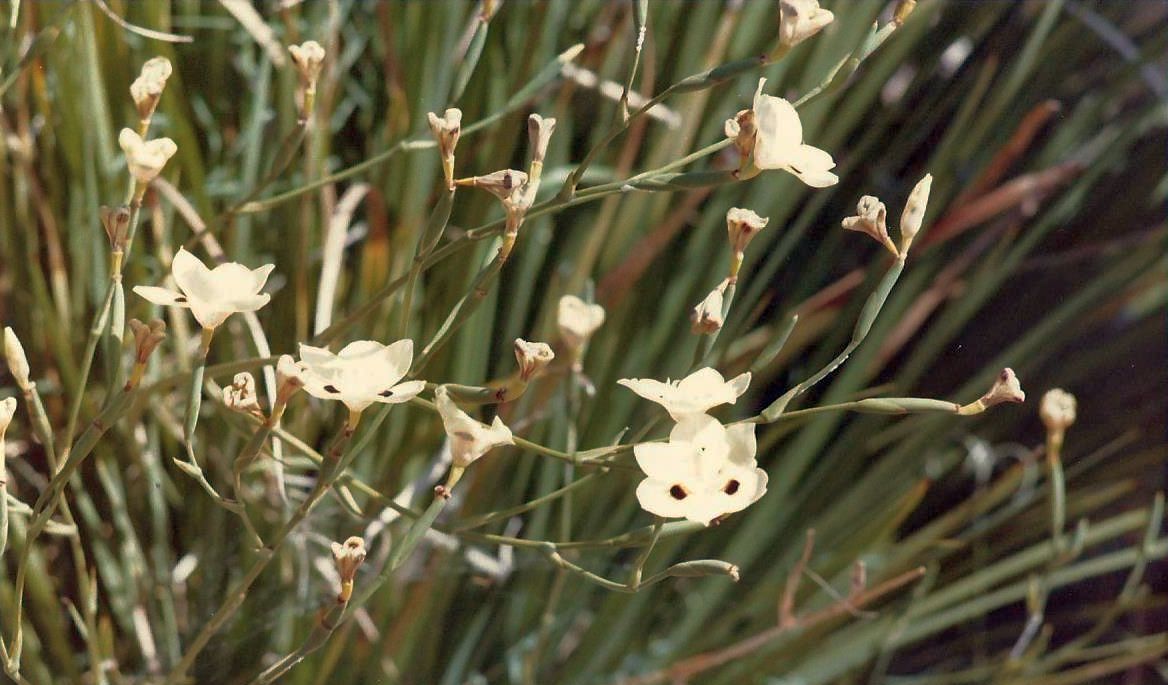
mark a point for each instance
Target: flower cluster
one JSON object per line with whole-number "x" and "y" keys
{"x": 705, "y": 470}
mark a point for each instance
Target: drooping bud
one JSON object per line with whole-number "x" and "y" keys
{"x": 17, "y": 361}
{"x": 116, "y": 221}
{"x": 539, "y": 131}
{"x": 741, "y": 226}
{"x": 914, "y": 213}
{"x": 501, "y": 183}
{"x": 348, "y": 558}
{"x": 801, "y": 19}
{"x": 871, "y": 218}
{"x": 1006, "y": 388}
{"x": 145, "y": 159}
{"x": 147, "y": 89}
{"x": 447, "y": 130}
{"x": 1058, "y": 410}
{"x": 241, "y": 396}
{"x": 706, "y": 317}
{"x": 533, "y": 358}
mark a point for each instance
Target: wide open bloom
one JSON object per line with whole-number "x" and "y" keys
{"x": 212, "y": 295}
{"x": 469, "y": 439}
{"x": 697, "y": 393}
{"x": 363, "y": 372}
{"x": 705, "y": 471}
{"x": 771, "y": 130}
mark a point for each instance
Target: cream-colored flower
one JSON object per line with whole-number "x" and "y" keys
{"x": 532, "y": 357}
{"x": 1006, "y": 388}
{"x": 447, "y": 129}
{"x": 706, "y": 317}
{"x": 503, "y": 184}
{"x": 914, "y": 212}
{"x": 578, "y": 320}
{"x": 705, "y": 471}
{"x": 741, "y": 226}
{"x": 778, "y": 142}
{"x": 212, "y": 295}
{"x": 241, "y": 395}
{"x": 1058, "y": 410}
{"x": 17, "y": 360}
{"x": 147, "y": 88}
{"x": 539, "y": 131}
{"x": 363, "y": 372}
{"x": 801, "y": 19}
{"x": 697, "y": 393}
{"x": 871, "y": 218}
{"x": 469, "y": 439}
{"x": 309, "y": 59}
{"x": 145, "y": 159}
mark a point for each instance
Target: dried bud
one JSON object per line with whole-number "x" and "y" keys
{"x": 871, "y": 218}
{"x": 539, "y": 130}
{"x": 742, "y": 225}
{"x": 706, "y": 317}
{"x": 309, "y": 59}
{"x": 147, "y": 337}
{"x": 116, "y": 221}
{"x": 1057, "y": 410}
{"x": 17, "y": 361}
{"x": 241, "y": 396}
{"x": 801, "y": 19}
{"x": 1006, "y": 388}
{"x": 289, "y": 378}
{"x": 743, "y": 130}
{"x": 578, "y": 320}
{"x": 447, "y": 130}
{"x": 533, "y": 358}
{"x": 914, "y": 213}
{"x": 501, "y": 184}
{"x": 147, "y": 88}
{"x": 7, "y": 410}
{"x": 145, "y": 158}
{"x": 348, "y": 557}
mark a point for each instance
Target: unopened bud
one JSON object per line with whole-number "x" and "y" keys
{"x": 702, "y": 568}
{"x": 145, "y": 159}
{"x": 289, "y": 378}
{"x": 147, "y": 337}
{"x": 147, "y": 89}
{"x": 7, "y": 410}
{"x": 17, "y": 361}
{"x": 871, "y": 218}
{"x": 348, "y": 557}
{"x": 1006, "y": 388}
{"x": 501, "y": 184}
{"x": 741, "y": 226}
{"x": 116, "y": 221}
{"x": 447, "y": 129}
{"x": 914, "y": 213}
{"x": 1057, "y": 410}
{"x": 309, "y": 60}
{"x": 241, "y": 396}
{"x": 533, "y": 358}
{"x": 706, "y": 317}
{"x": 801, "y": 19}
{"x": 539, "y": 131}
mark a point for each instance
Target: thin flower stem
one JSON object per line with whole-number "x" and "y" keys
{"x": 486, "y": 519}
{"x": 427, "y": 240}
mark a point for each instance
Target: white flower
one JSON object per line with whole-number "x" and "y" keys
{"x": 145, "y": 158}
{"x": 147, "y": 88}
{"x": 308, "y": 58}
{"x": 694, "y": 394}
{"x": 469, "y": 439}
{"x": 578, "y": 320}
{"x": 705, "y": 471}
{"x": 363, "y": 372}
{"x": 7, "y": 410}
{"x": 212, "y": 295}
{"x": 871, "y": 218}
{"x": 741, "y": 226}
{"x": 779, "y": 143}
{"x": 532, "y": 357}
{"x": 241, "y": 396}
{"x": 801, "y": 19}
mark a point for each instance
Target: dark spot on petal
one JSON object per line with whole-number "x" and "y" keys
{"x": 386, "y": 393}
{"x": 332, "y": 388}
{"x": 678, "y": 492}
{"x": 731, "y": 487}
{"x": 180, "y": 299}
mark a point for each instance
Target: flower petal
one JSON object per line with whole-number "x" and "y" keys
{"x": 402, "y": 392}
{"x": 738, "y": 488}
{"x": 667, "y": 460}
{"x": 738, "y": 385}
{"x": 161, "y": 296}
{"x": 208, "y": 313}
{"x": 399, "y": 356}
{"x": 812, "y": 166}
{"x": 664, "y": 498}
{"x": 647, "y": 387}
{"x": 742, "y": 442}
{"x": 315, "y": 356}
{"x": 260, "y": 276}
{"x": 191, "y": 274}
{"x": 779, "y": 132}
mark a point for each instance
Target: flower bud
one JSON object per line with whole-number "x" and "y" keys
{"x": 289, "y": 378}
{"x": 801, "y": 19}
{"x": 146, "y": 338}
{"x": 742, "y": 130}
{"x": 539, "y": 131}
{"x": 742, "y": 225}
{"x": 533, "y": 358}
{"x": 146, "y": 90}
{"x": 145, "y": 159}
{"x": 1057, "y": 410}
{"x": 914, "y": 213}
{"x": 17, "y": 361}
{"x": 309, "y": 60}
{"x": 501, "y": 184}
{"x": 578, "y": 320}
{"x": 7, "y": 410}
{"x": 871, "y": 218}
{"x": 1006, "y": 388}
{"x": 240, "y": 396}
{"x": 706, "y": 317}
{"x": 348, "y": 558}
{"x": 447, "y": 130}
{"x": 116, "y": 221}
